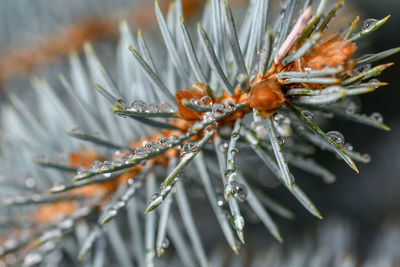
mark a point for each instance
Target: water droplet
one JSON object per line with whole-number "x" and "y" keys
{"x": 348, "y": 147}
{"x": 195, "y": 101}
{"x": 155, "y": 199}
{"x": 153, "y": 108}
{"x": 229, "y": 105}
{"x": 220, "y": 201}
{"x": 166, "y": 189}
{"x": 260, "y": 129}
{"x": 167, "y": 108}
{"x": 174, "y": 138}
{"x": 121, "y": 102}
{"x": 351, "y": 109}
{"x": 210, "y": 127}
{"x": 188, "y": 148}
{"x": 197, "y": 126}
{"x": 239, "y": 191}
{"x": 336, "y": 137}
{"x": 82, "y": 172}
{"x": 117, "y": 163}
{"x": 106, "y": 165}
{"x": 66, "y": 224}
{"x": 362, "y": 68}
{"x": 36, "y": 197}
{"x": 165, "y": 243}
{"x": 58, "y": 187}
{"x": 377, "y": 116}
{"x": 369, "y": 23}
{"x": 206, "y": 101}
{"x": 235, "y": 136}
{"x": 162, "y": 141}
{"x": 227, "y": 190}
{"x": 374, "y": 82}
{"x": 95, "y": 166}
{"x": 223, "y": 146}
{"x": 234, "y": 151}
{"x": 139, "y": 106}
{"x": 308, "y": 115}
{"x": 139, "y": 155}
{"x": 32, "y": 259}
{"x": 141, "y": 150}
{"x": 351, "y": 104}
{"x": 10, "y": 243}
{"x": 280, "y": 140}
{"x": 119, "y": 204}
{"x": 282, "y": 125}
{"x": 30, "y": 182}
{"x": 230, "y": 175}
{"x": 11, "y": 259}
{"x": 218, "y": 109}
{"x": 149, "y": 145}
{"x": 111, "y": 213}
{"x": 367, "y": 157}
{"x": 207, "y": 117}
{"x": 238, "y": 222}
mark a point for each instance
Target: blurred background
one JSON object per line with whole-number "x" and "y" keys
{"x": 36, "y": 37}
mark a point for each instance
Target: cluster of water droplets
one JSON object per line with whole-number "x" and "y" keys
{"x": 141, "y": 107}
{"x": 214, "y": 113}
{"x": 138, "y": 106}
{"x": 140, "y": 153}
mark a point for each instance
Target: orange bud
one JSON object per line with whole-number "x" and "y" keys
{"x": 329, "y": 52}
{"x": 266, "y": 97}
